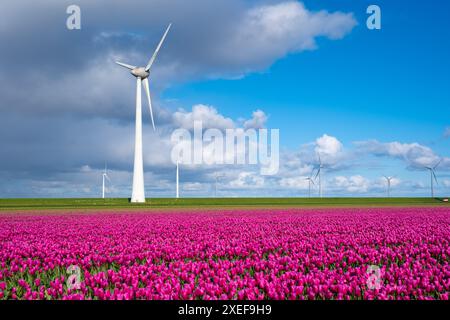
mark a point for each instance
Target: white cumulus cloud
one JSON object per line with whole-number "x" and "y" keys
{"x": 208, "y": 115}
{"x": 258, "y": 120}
{"x": 353, "y": 184}
{"x": 247, "y": 179}
{"x": 415, "y": 154}
{"x": 328, "y": 145}
{"x": 295, "y": 182}
{"x": 269, "y": 32}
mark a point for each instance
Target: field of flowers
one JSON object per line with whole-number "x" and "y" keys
{"x": 259, "y": 254}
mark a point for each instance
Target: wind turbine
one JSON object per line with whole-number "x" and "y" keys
{"x": 388, "y": 179}
{"x": 104, "y": 176}
{"x": 318, "y": 174}
{"x": 178, "y": 181}
{"x": 433, "y": 176}
{"x": 216, "y": 177}
{"x": 310, "y": 180}
{"x": 141, "y": 74}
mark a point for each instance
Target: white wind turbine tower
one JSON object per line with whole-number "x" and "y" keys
{"x": 104, "y": 176}
{"x": 433, "y": 176}
{"x": 319, "y": 174}
{"x": 388, "y": 179}
{"x": 141, "y": 74}
{"x": 178, "y": 181}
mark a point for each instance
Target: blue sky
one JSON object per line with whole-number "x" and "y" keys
{"x": 380, "y": 98}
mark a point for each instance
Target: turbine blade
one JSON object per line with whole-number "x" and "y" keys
{"x": 437, "y": 164}
{"x": 318, "y": 171}
{"x": 147, "y": 90}
{"x": 434, "y": 176}
{"x": 107, "y": 177}
{"x": 149, "y": 65}
{"x": 128, "y": 66}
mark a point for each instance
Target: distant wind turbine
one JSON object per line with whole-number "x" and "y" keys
{"x": 310, "y": 180}
{"x": 216, "y": 178}
{"x": 319, "y": 174}
{"x": 104, "y": 176}
{"x": 433, "y": 177}
{"x": 142, "y": 74}
{"x": 388, "y": 179}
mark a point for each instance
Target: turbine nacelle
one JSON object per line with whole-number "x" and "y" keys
{"x": 140, "y": 72}
{"x": 433, "y": 175}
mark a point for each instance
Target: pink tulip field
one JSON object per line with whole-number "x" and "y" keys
{"x": 389, "y": 253}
